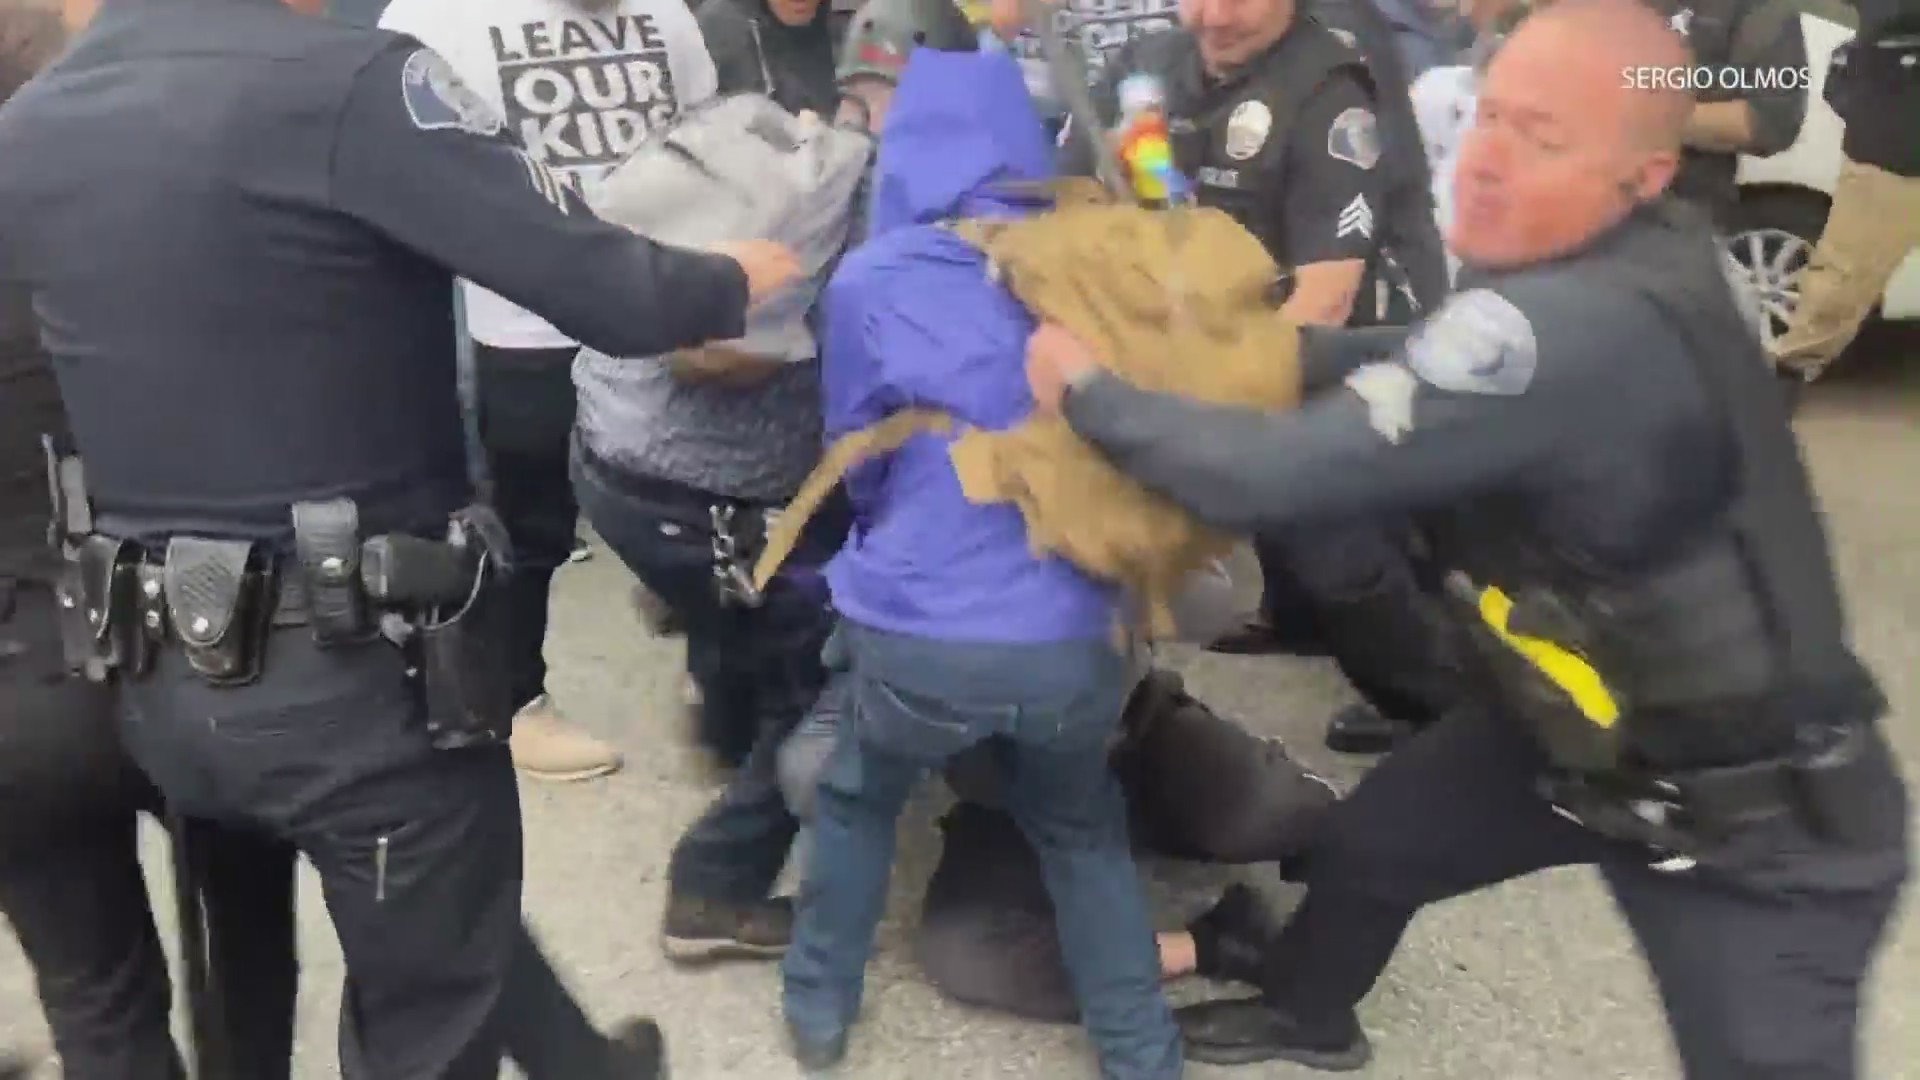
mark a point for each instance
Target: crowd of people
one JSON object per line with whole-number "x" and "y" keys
{"x": 329, "y": 338}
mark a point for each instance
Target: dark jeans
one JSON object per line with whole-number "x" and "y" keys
{"x": 1358, "y": 589}
{"x": 418, "y": 850}
{"x": 526, "y": 409}
{"x": 915, "y": 704}
{"x": 1759, "y": 953}
{"x": 758, "y": 669}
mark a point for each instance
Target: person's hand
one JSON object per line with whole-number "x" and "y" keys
{"x": 1056, "y": 360}
{"x": 768, "y": 266}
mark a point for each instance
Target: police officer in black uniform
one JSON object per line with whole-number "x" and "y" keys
{"x": 1274, "y": 115}
{"x": 1750, "y": 66}
{"x": 70, "y": 880}
{"x": 1666, "y": 687}
{"x": 240, "y": 227}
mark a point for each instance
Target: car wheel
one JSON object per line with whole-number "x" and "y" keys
{"x": 1771, "y": 241}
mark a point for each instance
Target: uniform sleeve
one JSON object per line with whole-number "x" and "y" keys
{"x": 1771, "y": 47}
{"x": 1332, "y": 197}
{"x": 1468, "y": 406}
{"x": 421, "y": 158}
{"x": 1328, "y": 354}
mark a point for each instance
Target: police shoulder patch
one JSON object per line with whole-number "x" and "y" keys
{"x": 437, "y": 99}
{"x": 1477, "y": 343}
{"x": 1354, "y": 138}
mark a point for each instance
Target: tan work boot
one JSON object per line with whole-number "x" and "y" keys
{"x": 546, "y": 746}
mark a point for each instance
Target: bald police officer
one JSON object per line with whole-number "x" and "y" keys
{"x": 1666, "y": 687}
{"x": 261, "y": 384}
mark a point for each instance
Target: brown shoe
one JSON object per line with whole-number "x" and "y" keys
{"x": 546, "y": 746}
{"x": 697, "y": 929}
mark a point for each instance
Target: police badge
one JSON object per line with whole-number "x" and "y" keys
{"x": 1247, "y": 129}
{"x": 436, "y": 99}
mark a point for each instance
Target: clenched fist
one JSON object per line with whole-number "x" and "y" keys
{"x": 769, "y": 266}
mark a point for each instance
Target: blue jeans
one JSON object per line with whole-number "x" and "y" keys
{"x": 915, "y": 703}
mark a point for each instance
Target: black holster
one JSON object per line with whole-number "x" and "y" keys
{"x": 462, "y": 662}
{"x": 99, "y": 598}
{"x": 326, "y": 538}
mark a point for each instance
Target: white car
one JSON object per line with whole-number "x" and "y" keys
{"x": 1784, "y": 199}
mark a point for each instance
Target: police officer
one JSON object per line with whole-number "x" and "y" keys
{"x": 70, "y": 881}
{"x": 261, "y": 385}
{"x": 1620, "y": 485}
{"x": 1275, "y": 117}
{"x": 1874, "y": 80}
{"x": 1748, "y": 75}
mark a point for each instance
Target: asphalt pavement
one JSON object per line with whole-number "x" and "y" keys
{"x": 1535, "y": 980}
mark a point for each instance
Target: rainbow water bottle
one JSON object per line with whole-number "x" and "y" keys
{"x": 1142, "y": 144}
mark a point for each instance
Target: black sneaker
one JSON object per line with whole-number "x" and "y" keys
{"x": 1231, "y": 937}
{"x": 1362, "y": 729}
{"x": 697, "y": 929}
{"x": 1247, "y": 1031}
{"x": 815, "y": 1056}
{"x": 637, "y": 1050}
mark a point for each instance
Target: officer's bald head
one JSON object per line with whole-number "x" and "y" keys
{"x": 1569, "y": 134}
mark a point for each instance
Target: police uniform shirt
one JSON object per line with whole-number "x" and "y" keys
{"x": 1309, "y": 185}
{"x": 1744, "y": 50}
{"x": 1874, "y": 86}
{"x": 241, "y": 227}
{"x": 579, "y": 85}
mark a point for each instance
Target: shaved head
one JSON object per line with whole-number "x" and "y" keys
{"x": 1569, "y": 133}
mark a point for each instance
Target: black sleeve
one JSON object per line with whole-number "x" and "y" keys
{"x": 730, "y": 44}
{"x": 1771, "y": 47}
{"x": 1328, "y": 354}
{"x": 1332, "y": 202}
{"x": 1468, "y": 406}
{"x": 420, "y": 157}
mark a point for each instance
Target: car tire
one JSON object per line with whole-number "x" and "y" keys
{"x": 1771, "y": 235}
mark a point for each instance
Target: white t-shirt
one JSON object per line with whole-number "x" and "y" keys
{"x": 1103, "y": 28}
{"x": 1443, "y": 105}
{"x": 579, "y": 86}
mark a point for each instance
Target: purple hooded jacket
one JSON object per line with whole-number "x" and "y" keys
{"x": 910, "y": 319}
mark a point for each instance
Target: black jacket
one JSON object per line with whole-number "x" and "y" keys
{"x": 1874, "y": 85}
{"x": 755, "y": 52}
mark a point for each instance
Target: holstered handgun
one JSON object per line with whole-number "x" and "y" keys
{"x": 462, "y": 640}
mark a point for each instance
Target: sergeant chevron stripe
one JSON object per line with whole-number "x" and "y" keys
{"x": 1356, "y": 218}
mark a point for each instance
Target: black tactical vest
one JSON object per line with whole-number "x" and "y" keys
{"x": 1730, "y": 637}
{"x": 29, "y": 409}
{"x": 1231, "y": 137}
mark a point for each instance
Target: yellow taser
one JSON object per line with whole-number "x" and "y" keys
{"x": 1564, "y": 668}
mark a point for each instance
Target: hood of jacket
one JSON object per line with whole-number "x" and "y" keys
{"x": 961, "y": 127}
{"x": 912, "y": 320}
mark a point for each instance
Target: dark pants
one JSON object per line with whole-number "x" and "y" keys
{"x": 418, "y": 851}
{"x": 526, "y": 409}
{"x": 1759, "y": 953}
{"x": 1357, "y": 587}
{"x": 758, "y": 669}
{"x": 71, "y": 886}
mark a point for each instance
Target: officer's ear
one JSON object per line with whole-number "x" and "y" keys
{"x": 1651, "y": 177}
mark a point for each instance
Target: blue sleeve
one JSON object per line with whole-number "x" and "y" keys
{"x": 851, "y": 393}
